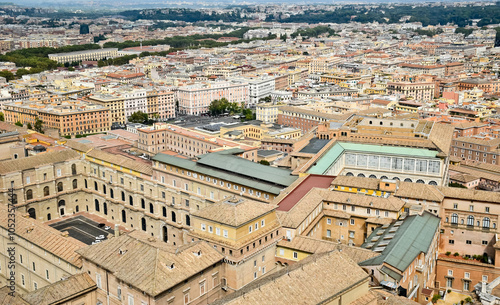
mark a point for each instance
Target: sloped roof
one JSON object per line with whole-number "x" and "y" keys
{"x": 45, "y": 237}
{"x": 313, "y": 245}
{"x": 413, "y": 237}
{"x": 335, "y": 269}
{"x": 39, "y": 160}
{"x": 231, "y": 172}
{"x": 7, "y": 299}
{"x": 60, "y": 291}
{"x": 152, "y": 275}
{"x": 234, "y": 214}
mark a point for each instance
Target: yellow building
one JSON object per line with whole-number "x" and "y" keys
{"x": 245, "y": 232}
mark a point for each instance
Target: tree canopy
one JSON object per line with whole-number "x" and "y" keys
{"x": 218, "y": 107}
{"x": 138, "y": 117}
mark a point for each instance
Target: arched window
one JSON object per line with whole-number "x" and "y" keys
{"x": 32, "y": 213}
{"x": 486, "y": 222}
{"x": 104, "y": 189}
{"x": 131, "y": 200}
{"x": 75, "y": 183}
{"x": 165, "y": 234}
{"x": 49, "y": 217}
{"x": 470, "y": 220}
{"x": 373, "y": 177}
{"x": 46, "y": 191}
{"x": 188, "y": 220}
{"x": 454, "y": 219}
{"x": 173, "y": 217}
{"x": 396, "y": 178}
{"x": 123, "y": 196}
{"x": 73, "y": 169}
{"x": 97, "y": 207}
{"x": 111, "y": 193}
{"x": 349, "y": 174}
{"x": 433, "y": 183}
{"x": 29, "y": 194}
{"x": 143, "y": 224}
{"x": 60, "y": 187}
{"x": 86, "y": 184}
{"x": 124, "y": 216}
{"x": 408, "y": 180}
{"x": 143, "y": 204}
{"x": 105, "y": 208}
{"x": 151, "y": 208}
{"x": 420, "y": 181}
{"x": 164, "y": 211}
{"x": 95, "y": 186}
{"x": 77, "y": 208}
{"x": 361, "y": 175}
{"x": 383, "y": 177}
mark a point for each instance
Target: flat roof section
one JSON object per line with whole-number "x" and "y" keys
{"x": 314, "y": 146}
{"x": 82, "y": 229}
{"x": 303, "y": 188}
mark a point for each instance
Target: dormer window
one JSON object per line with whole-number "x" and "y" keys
{"x": 121, "y": 252}
{"x": 197, "y": 253}
{"x": 170, "y": 266}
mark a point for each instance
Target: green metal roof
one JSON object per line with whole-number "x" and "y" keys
{"x": 393, "y": 274}
{"x": 330, "y": 157}
{"x": 390, "y": 150}
{"x": 233, "y": 173}
{"x": 414, "y": 236}
{"x": 327, "y": 160}
{"x": 231, "y": 163}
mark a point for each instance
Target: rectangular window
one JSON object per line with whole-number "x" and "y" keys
{"x": 295, "y": 255}
{"x": 98, "y": 280}
{"x": 224, "y": 233}
{"x": 256, "y": 226}
{"x": 352, "y": 221}
{"x": 58, "y": 172}
{"x": 466, "y": 275}
{"x": 450, "y": 272}
{"x": 262, "y": 223}
{"x": 130, "y": 300}
{"x": 119, "y": 293}
{"x": 217, "y": 231}
{"x": 186, "y": 298}
{"x": 202, "y": 288}
{"x": 328, "y": 233}
{"x": 484, "y": 278}
{"x": 47, "y": 274}
{"x": 28, "y": 180}
{"x": 203, "y": 227}
{"x": 468, "y": 242}
{"x": 329, "y": 221}
{"x": 282, "y": 252}
{"x": 210, "y": 229}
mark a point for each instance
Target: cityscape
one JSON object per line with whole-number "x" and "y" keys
{"x": 175, "y": 153}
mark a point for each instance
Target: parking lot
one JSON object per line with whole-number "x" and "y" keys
{"x": 82, "y": 228}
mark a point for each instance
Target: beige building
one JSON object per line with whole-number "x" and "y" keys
{"x": 42, "y": 255}
{"x": 245, "y": 232}
{"x": 84, "y": 55}
{"x": 417, "y": 91}
{"x": 137, "y": 269}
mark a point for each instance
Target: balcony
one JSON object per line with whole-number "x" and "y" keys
{"x": 420, "y": 268}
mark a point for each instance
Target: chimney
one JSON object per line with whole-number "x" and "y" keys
{"x": 117, "y": 231}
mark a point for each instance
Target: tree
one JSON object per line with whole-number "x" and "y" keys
{"x": 7, "y": 74}
{"x": 284, "y": 37}
{"x": 38, "y": 125}
{"x": 264, "y": 162}
{"x": 138, "y": 117}
{"x": 2, "y": 117}
{"x": 18, "y": 123}
{"x": 29, "y": 126}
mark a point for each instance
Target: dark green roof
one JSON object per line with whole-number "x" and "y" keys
{"x": 236, "y": 170}
{"x": 411, "y": 237}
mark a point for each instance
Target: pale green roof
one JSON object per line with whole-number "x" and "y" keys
{"x": 413, "y": 236}
{"x": 237, "y": 170}
{"x": 331, "y": 156}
